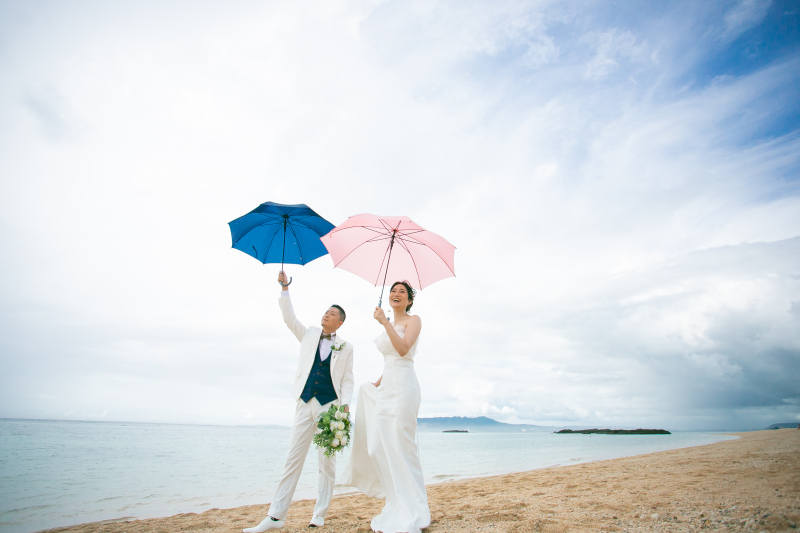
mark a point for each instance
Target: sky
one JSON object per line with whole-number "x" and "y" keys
{"x": 620, "y": 180}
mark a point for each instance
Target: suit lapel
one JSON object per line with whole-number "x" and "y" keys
{"x": 313, "y": 342}
{"x": 335, "y": 353}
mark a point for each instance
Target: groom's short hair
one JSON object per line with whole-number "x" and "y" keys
{"x": 342, "y": 314}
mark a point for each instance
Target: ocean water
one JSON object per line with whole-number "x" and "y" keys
{"x": 58, "y": 473}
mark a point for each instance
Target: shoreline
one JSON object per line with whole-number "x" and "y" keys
{"x": 746, "y": 484}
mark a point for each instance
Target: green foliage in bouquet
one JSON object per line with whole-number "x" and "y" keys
{"x": 335, "y": 430}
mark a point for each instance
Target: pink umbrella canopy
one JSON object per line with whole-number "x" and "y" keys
{"x": 380, "y": 248}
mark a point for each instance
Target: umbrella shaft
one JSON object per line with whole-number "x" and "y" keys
{"x": 391, "y": 245}
{"x": 283, "y": 253}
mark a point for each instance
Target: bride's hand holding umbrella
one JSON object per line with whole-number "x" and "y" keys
{"x": 380, "y": 316}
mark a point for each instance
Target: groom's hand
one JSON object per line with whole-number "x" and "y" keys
{"x": 282, "y": 280}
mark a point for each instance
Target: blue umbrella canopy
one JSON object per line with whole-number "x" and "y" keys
{"x": 280, "y": 233}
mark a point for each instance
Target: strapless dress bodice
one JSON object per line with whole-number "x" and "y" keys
{"x": 384, "y": 344}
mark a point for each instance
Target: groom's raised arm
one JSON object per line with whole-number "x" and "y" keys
{"x": 289, "y": 317}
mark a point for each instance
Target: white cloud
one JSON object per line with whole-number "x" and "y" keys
{"x": 716, "y": 366}
{"x": 743, "y": 16}
{"x": 612, "y": 47}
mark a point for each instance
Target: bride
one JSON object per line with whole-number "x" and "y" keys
{"x": 385, "y": 459}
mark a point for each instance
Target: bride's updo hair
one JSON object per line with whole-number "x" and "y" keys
{"x": 411, "y": 292}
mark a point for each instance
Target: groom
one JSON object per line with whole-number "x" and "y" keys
{"x": 324, "y": 376}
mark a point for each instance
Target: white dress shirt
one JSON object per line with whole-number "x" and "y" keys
{"x": 325, "y": 345}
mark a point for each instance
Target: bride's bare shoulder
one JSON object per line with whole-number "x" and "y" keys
{"x": 412, "y": 320}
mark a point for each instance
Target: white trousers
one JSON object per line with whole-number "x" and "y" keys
{"x": 303, "y": 429}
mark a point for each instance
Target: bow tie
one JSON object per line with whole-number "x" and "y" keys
{"x": 325, "y": 336}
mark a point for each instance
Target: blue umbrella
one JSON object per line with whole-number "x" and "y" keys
{"x": 279, "y": 233}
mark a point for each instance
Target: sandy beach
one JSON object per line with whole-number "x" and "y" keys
{"x": 748, "y": 484}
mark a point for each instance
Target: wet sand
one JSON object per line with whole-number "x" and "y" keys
{"x": 748, "y": 484}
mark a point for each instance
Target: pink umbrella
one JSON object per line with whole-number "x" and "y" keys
{"x": 396, "y": 248}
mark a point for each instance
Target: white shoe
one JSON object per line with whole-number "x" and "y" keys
{"x": 267, "y": 523}
{"x": 317, "y": 521}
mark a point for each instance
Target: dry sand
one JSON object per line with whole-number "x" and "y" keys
{"x": 748, "y": 484}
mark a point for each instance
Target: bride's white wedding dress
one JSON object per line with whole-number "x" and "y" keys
{"x": 385, "y": 462}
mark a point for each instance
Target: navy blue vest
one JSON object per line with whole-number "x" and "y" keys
{"x": 319, "y": 382}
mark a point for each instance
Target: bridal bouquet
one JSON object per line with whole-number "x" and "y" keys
{"x": 335, "y": 434}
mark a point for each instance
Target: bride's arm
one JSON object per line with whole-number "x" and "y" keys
{"x": 401, "y": 344}
{"x": 378, "y": 383}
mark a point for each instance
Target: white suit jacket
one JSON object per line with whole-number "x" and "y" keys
{"x": 341, "y": 360}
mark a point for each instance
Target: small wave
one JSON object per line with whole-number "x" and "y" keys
{"x": 109, "y": 498}
{"x": 26, "y": 509}
{"x": 115, "y": 520}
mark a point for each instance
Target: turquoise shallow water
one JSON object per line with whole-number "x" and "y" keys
{"x": 56, "y": 473}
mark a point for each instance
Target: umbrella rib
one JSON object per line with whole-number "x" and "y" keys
{"x": 297, "y": 242}
{"x": 351, "y": 251}
{"x": 303, "y": 217}
{"x": 265, "y": 215}
{"x": 267, "y": 223}
{"x": 386, "y": 226}
{"x": 268, "y": 216}
{"x": 381, "y": 267}
{"x": 375, "y": 229}
{"x": 403, "y": 244}
{"x": 415, "y": 241}
{"x": 394, "y": 237}
{"x": 378, "y": 238}
{"x": 269, "y": 246}
{"x": 369, "y": 228}
{"x": 297, "y": 221}
{"x": 248, "y": 232}
{"x": 387, "y": 234}
{"x": 442, "y": 258}
{"x": 251, "y": 229}
{"x": 439, "y": 256}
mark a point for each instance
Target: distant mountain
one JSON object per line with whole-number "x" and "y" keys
{"x": 479, "y": 424}
{"x": 784, "y": 425}
{"x": 596, "y": 431}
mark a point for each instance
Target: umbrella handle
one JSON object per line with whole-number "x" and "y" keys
{"x": 287, "y": 284}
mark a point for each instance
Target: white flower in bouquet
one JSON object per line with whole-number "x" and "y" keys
{"x": 339, "y": 435}
{"x": 338, "y": 415}
{"x": 344, "y": 441}
{"x": 335, "y": 443}
{"x": 335, "y": 426}
{"x": 341, "y": 425}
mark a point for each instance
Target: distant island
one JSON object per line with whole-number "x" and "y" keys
{"x": 617, "y": 431}
{"x": 478, "y": 424}
{"x": 483, "y": 424}
{"x": 784, "y": 425}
